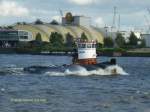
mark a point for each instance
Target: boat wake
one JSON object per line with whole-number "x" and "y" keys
{"x": 75, "y": 70}
{"x": 11, "y": 71}
{"x": 81, "y": 71}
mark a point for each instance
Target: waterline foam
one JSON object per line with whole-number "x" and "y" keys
{"x": 84, "y": 72}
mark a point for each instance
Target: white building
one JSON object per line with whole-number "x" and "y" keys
{"x": 147, "y": 39}
{"x": 108, "y": 32}
{"x": 10, "y": 37}
{"x": 126, "y": 35}
{"x": 82, "y": 21}
{"x": 78, "y": 21}
{"x": 25, "y": 36}
{"x": 137, "y": 34}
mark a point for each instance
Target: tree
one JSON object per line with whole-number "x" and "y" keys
{"x": 143, "y": 43}
{"x": 120, "y": 41}
{"x": 108, "y": 42}
{"x": 18, "y": 23}
{"x": 133, "y": 39}
{"x": 38, "y": 21}
{"x": 54, "y": 22}
{"x": 56, "y": 39}
{"x": 83, "y": 36}
{"x": 99, "y": 45}
{"x": 38, "y": 37}
{"x": 24, "y": 23}
{"x": 9, "y": 27}
{"x": 69, "y": 40}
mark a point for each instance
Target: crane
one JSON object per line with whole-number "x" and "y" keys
{"x": 119, "y": 22}
{"x": 61, "y": 12}
{"x": 114, "y": 17}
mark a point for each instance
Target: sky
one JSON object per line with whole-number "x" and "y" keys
{"x": 133, "y": 13}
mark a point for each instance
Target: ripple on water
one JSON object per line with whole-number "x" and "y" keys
{"x": 74, "y": 93}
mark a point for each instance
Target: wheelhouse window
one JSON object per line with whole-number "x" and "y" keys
{"x": 89, "y": 46}
{"x": 81, "y": 45}
{"x": 93, "y": 46}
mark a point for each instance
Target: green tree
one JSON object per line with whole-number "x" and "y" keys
{"x": 120, "y": 41}
{"x": 24, "y": 23}
{"x": 143, "y": 43}
{"x": 8, "y": 27}
{"x": 54, "y": 22}
{"x": 18, "y": 23}
{"x": 38, "y": 21}
{"x": 108, "y": 42}
{"x": 56, "y": 39}
{"x": 99, "y": 45}
{"x": 46, "y": 46}
{"x": 133, "y": 39}
{"x": 38, "y": 37}
{"x": 83, "y": 36}
{"x": 69, "y": 40}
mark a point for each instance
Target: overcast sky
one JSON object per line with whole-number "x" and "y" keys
{"x": 132, "y": 12}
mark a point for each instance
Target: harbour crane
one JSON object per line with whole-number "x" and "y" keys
{"x": 119, "y": 23}
{"x": 147, "y": 22}
{"x": 61, "y": 12}
{"x": 114, "y": 17}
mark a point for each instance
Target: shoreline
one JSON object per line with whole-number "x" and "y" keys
{"x": 131, "y": 54}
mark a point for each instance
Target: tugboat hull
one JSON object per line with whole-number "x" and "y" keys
{"x": 72, "y": 67}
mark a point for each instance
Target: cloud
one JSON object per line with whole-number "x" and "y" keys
{"x": 43, "y": 12}
{"x": 99, "y": 22}
{"x": 12, "y": 8}
{"x": 83, "y": 2}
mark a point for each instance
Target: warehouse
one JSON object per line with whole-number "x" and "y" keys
{"x": 75, "y": 26}
{"x": 147, "y": 39}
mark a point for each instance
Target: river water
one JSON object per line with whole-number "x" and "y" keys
{"x": 57, "y": 92}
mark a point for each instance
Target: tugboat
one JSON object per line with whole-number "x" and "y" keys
{"x": 84, "y": 56}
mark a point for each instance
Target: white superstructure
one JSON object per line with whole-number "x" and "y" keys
{"x": 87, "y": 50}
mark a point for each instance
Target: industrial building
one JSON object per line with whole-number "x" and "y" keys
{"x": 76, "y": 20}
{"x": 147, "y": 39}
{"x": 10, "y": 37}
{"x": 75, "y": 25}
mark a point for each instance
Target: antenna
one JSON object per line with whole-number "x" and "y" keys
{"x": 147, "y": 21}
{"x": 119, "y": 23}
{"x": 114, "y": 17}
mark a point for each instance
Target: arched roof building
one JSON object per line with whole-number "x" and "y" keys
{"x": 46, "y": 29}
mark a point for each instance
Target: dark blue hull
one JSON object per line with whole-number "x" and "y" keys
{"x": 72, "y": 67}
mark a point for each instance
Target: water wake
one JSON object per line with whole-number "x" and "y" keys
{"x": 81, "y": 71}
{"x": 76, "y": 70}
{"x": 11, "y": 71}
